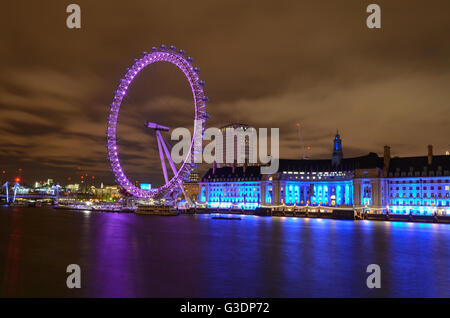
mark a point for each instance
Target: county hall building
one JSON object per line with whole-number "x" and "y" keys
{"x": 408, "y": 185}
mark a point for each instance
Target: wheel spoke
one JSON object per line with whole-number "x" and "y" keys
{"x": 161, "y": 156}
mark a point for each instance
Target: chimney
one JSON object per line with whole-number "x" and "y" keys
{"x": 430, "y": 155}
{"x": 387, "y": 158}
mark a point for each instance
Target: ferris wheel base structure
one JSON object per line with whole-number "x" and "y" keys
{"x": 174, "y": 185}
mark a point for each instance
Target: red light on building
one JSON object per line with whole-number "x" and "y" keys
{"x": 4, "y": 171}
{"x": 17, "y": 179}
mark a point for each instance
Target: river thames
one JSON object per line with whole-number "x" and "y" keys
{"x": 128, "y": 255}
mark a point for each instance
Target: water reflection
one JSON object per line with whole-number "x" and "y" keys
{"x": 127, "y": 255}
{"x": 11, "y": 274}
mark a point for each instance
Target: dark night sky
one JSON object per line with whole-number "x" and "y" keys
{"x": 266, "y": 63}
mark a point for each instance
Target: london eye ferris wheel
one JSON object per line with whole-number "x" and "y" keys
{"x": 183, "y": 63}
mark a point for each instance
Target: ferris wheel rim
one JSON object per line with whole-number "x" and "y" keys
{"x": 178, "y": 59}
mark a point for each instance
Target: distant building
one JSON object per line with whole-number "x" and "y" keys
{"x": 73, "y": 187}
{"x": 239, "y": 147}
{"x": 191, "y": 186}
{"x": 416, "y": 185}
{"x": 107, "y": 193}
{"x": 24, "y": 190}
{"x": 194, "y": 176}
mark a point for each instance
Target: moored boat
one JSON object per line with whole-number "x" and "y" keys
{"x": 156, "y": 210}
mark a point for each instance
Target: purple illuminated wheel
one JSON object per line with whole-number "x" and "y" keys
{"x": 177, "y": 58}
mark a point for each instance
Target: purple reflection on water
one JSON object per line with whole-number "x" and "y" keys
{"x": 127, "y": 255}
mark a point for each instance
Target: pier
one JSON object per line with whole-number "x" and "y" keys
{"x": 324, "y": 213}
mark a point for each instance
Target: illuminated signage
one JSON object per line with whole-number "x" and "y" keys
{"x": 146, "y": 186}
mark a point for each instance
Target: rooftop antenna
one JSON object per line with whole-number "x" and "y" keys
{"x": 237, "y": 114}
{"x": 303, "y": 150}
